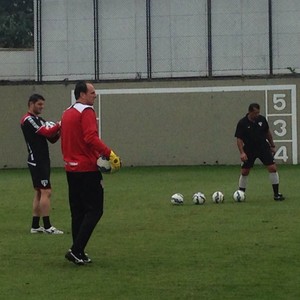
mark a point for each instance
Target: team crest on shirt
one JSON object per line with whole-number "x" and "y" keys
{"x": 44, "y": 182}
{"x": 260, "y": 124}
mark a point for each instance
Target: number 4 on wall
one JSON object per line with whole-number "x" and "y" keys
{"x": 281, "y": 154}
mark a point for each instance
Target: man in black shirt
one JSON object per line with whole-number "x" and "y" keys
{"x": 36, "y": 132}
{"x": 254, "y": 140}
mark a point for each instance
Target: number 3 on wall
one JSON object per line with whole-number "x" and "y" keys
{"x": 282, "y": 127}
{"x": 281, "y": 153}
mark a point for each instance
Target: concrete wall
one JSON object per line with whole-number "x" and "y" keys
{"x": 177, "y": 127}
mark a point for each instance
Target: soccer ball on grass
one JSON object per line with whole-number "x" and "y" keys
{"x": 217, "y": 197}
{"x": 198, "y": 198}
{"x": 177, "y": 199}
{"x": 239, "y": 196}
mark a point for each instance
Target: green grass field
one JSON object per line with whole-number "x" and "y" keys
{"x": 146, "y": 248}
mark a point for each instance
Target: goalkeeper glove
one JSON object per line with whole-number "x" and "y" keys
{"x": 115, "y": 162}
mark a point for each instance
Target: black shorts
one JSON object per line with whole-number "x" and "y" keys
{"x": 40, "y": 175}
{"x": 264, "y": 155}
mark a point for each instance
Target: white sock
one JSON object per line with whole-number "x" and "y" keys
{"x": 274, "y": 178}
{"x": 243, "y": 181}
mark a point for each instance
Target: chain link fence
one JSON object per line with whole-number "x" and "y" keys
{"x": 150, "y": 39}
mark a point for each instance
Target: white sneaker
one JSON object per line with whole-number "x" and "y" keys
{"x": 53, "y": 230}
{"x": 37, "y": 230}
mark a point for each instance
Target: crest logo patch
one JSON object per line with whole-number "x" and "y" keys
{"x": 44, "y": 182}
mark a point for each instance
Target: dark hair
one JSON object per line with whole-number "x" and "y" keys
{"x": 253, "y": 106}
{"x": 80, "y": 87}
{"x": 35, "y": 98}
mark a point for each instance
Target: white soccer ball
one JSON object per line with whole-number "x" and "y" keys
{"x": 239, "y": 196}
{"x": 103, "y": 165}
{"x": 217, "y": 197}
{"x": 198, "y": 198}
{"x": 50, "y": 124}
{"x": 177, "y": 199}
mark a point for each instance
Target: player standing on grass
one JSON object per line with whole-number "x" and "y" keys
{"x": 81, "y": 147}
{"x": 254, "y": 140}
{"x": 36, "y": 134}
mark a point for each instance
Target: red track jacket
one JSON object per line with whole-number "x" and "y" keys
{"x": 80, "y": 142}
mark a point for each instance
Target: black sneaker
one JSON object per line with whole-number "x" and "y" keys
{"x": 70, "y": 256}
{"x": 278, "y": 197}
{"x": 86, "y": 258}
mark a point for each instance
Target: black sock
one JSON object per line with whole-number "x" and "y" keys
{"x": 35, "y": 222}
{"x": 275, "y": 188}
{"x": 46, "y": 221}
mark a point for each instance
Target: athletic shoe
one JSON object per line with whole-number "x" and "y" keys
{"x": 70, "y": 256}
{"x": 278, "y": 197}
{"x": 37, "y": 230}
{"x": 53, "y": 230}
{"x": 86, "y": 258}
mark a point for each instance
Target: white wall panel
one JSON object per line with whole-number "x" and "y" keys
{"x": 123, "y": 43}
{"x": 240, "y": 43}
{"x": 17, "y": 65}
{"x": 67, "y": 39}
{"x": 179, "y": 38}
{"x": 286, "y": 36}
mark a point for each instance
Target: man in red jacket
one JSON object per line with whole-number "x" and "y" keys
{"x": 37, "y": 132}
{"x": 81, "y": 147}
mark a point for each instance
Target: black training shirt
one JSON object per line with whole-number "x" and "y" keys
{"x": 253, "y": 134}
{"x": 37, "y": 145}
